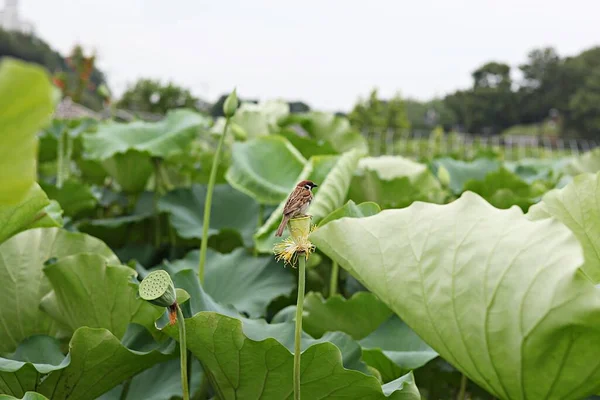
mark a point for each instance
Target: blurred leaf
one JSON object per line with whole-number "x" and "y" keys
{"x": 250, "y": 368}
{"x": 307, "y": 146}
{"x": 26, "y": 105}
{"x": 352, "y": 210}
{"x": 52, "y": 217}
{"x": 394, "y": 349}
{"x": 231, "y": 211}
{"x": 576, "y": 206}
{"x": 587, "y": 162}
{"x": 540, "y": 314}
{"x": 97, "y": 361}
{"x": 335, "y": 130}
{"x": 503, "y": 189}
{"x": 265, "y": 168}
{"x": 357, "y": 316}
{"x": 239, "y": 279}
{"x": 394, "y": 182}
{"x": 22, "y": 259}
{"x": 74, "y": 197}
{"x": 27, "y": 396}
{"x": 23, "y": 215}
{"x": 131, "y": 170}
{"x": 88, "y": 292}
{"x": 166, "y": 138}
{"x": 462, "y": 171}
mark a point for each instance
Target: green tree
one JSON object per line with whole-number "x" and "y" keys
{"x": 376, "y": 114}
{"x": 584, "y": 107}
{"x": 152, "y": 96}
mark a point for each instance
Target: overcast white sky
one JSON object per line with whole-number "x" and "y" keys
{"x": 323, "y": 52}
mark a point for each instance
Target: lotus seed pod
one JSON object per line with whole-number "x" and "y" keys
{"x": 158, "y": 289}
{"x": 231, "y": 104}
{"x": 300, "y": 229}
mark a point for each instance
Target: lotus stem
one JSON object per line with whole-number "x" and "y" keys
{"x": 207, "y": 204}
{"x": 333, "y": 283}
{"x": 183, "y": 354}
{"x": 68, "y": 157}
{"x": 463, "y": 388}
{"x": 60, "y": 155}
{"x": 298, "y": 332}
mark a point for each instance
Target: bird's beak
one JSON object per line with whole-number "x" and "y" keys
{"x": 315, "y": 185}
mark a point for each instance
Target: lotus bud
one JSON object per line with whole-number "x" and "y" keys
{"x": 444, "y": 176}
{"x": 238, "y": 132}
{"x": 230, "y": 105}
{"x": 157, "y": 288}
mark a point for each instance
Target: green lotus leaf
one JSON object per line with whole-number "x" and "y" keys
{"x": 503, "y": 189}
{"x": 352, "y": 210}
{"x": 357, "y": 316}
{"x": 333, "y": 129}
{"x": 26, "y": 105}
{"x": 394, "y": 182}
{"x": 394, "y": 349}
{"x": 51, "y": 217}
{"x": 247, "y": 283}
{"x": 74, "y": 197}
{"x": 166, "y": 138}
{"x": 265, "y": 168}
{"x": 27, "y": 396}
{"x": 131, "y": 170}
{"x": 23, "y": 215}
{"x": 462, "y": 171}
{"x": 244, "y": 367}
{"x": 576, "y": 206}
{"x": 307, "y": 146}
{"x": 333, "y": 175}
{"x": 22, "y": 260}
{"x": 97, "y": 361}
{"x": 498, "y": 296}
{"x": 231, "y": 210}
{"x": 88, "y": 292}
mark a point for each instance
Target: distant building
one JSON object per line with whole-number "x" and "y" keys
{"x": 11, "y": 21}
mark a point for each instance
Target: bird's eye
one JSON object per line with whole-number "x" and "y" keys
{"x": 307, "y": 186}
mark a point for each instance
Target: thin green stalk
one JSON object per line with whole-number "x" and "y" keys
{"x": 68, "y": 157}
{"x": 183, "y": 354}
{"x": 60, "y": 155}
{"x": 125, "y": 390}
{"x": 333, "y": 283}
{"x": 298, "y": 332}
{"x": 463, "y": 388}
{"x": 208, "y": 202}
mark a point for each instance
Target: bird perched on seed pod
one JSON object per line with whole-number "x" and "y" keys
{"x": 297, "y": 203}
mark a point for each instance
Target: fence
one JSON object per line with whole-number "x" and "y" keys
{"x": 425, "y": 145}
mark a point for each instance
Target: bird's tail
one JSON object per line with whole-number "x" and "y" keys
{"x": 284, "y": 222}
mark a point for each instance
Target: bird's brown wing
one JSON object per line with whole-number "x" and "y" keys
{"x": 297, "y": 198}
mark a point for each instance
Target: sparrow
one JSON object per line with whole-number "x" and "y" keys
{"x": 297, "y": 203}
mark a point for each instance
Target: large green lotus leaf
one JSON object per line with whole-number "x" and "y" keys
{"x": 503, "y": 189}
{"x": 51, "y": 217}
{"x": 89, "y": 292}
{"x": 260, "y": 119}
{"x": 394, "y": 182}
{"x": 535, "y": 169}
{"x": 497, "y": 295}
{"x": 131, "y": 170}
{"x": 247, "y": 368}
{"x": 97, "y": 361}
{"x": 165, "y": 139}
{"x": 357, "y": 316}
{"x": 231, "y": 210}
{"x": 266, "y": 168}
{"x": 18, "y": 217}
{"x": 333, "y": 175}
{"x": 587, "y": 162}
{"x": 576, "y": 206}
{"x": 247, "y": 283}
{"x": 352, "y": 210}
{"x": 22, "y": 259}
{"x": 258, "y": 329}
{"x": 335, "y": 130}
{"x": 26, "y": 105}
{"x": 162, "y": 381}
{"x": 394, "y": 349}
{"x": 307, "y": 146}
{"x": 460, "y": 172}
{"x": 74, "y": 197}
